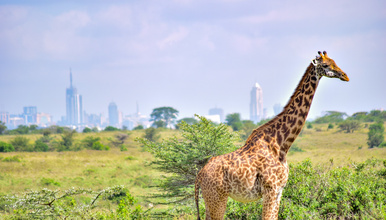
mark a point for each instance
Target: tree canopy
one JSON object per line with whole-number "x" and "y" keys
{"x": 234, "y": 120}
{"x": 163, "y": 116}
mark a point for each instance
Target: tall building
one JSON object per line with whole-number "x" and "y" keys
{"x": 113, "y": 114}
{"x": 74, "y": 110}
{"x": 256, "y": 105}
{"x": 217, "y": 111}
{"x": 4, "y": 117}
{"x": 30, "y": 114}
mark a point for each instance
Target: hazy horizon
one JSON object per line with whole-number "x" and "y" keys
{"x": 190, "y": 55}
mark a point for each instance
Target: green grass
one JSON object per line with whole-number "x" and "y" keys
{"x": 23, "y": 171}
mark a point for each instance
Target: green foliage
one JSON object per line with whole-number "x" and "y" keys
{"x": 15, "y": 158}
{"x": 331, "y": 117}
{"x": 74, "y": 203}
{"x": 21, "y": 143}
{"x": 321, "y": 192}
{"x": 5, "y": 147}
{"x": 40, "y": 146}
{"x": 234, "y": 120}
{"x": 138, "y": 127}
{"x": 48, "y": 182}
{"x": 111, "y": 128}
{"x": 87, "y": 130}
{"x": 99, "y": 146}
{"x": 375, "y": 135}
{"x": 189, "y": 121}
{"x": 248, "y": 127}
{"x": 309, "y": 125}
{"x": 163, "y": 116}
{"x": 349, "y": 126}
{"x": 67, "y": 140}
{"x": 182, "y": 158}
{"x": 151, "y": 134}
{"x": 372, "y": 116}
{"x": 3, "y": 128}
{"x": 330, "y": 126}
{"x": 89, "y": 141}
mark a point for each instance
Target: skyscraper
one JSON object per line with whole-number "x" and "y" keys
{"x": 256, "y": 105}
{"x": 30, "y": 114}
{"x": 217, "y": 111}
{"x": 113, "y": 114}
{"x": 74, "y": 110}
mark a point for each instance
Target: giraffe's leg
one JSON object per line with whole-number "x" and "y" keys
{"x": 215, "y": 205}
{"x": 271, "y": 202}
{"x": 278, "y": 198}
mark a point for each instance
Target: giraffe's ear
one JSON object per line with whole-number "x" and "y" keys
{"x": 314, "y": 62}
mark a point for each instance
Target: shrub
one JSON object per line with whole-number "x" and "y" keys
{"x": 5, "y": 147}
{"x": 87, "y": 130}
{"x": 151, "y": 134}
{"x": 20, "y": 143}
{"x": 40, "y": 146}
{"x": 323, "y": 192}
{"x": 349, "y": 126}
{"x": 99, "y": 146}
{"x": 375, "y": 134}
{"x": 48, "y": 182}
{"x": 68, "y": 204}
{"x": 89, "y": 141}
{"x": 15, "y": 158}
{"x": 111, "y": 128}
{"x": 182, "y": 158}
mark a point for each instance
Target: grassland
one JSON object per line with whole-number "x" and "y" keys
{"x": 100, "y": 169}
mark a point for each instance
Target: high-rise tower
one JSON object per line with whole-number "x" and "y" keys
{"x": 74, "y": 110}
{"x": 256, "y": 105}
{"x": 113, "y": 114}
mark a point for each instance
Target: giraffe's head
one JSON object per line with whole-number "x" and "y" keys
{"x": 326, "y": 66}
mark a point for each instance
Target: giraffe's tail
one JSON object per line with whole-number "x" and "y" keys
{"x": 196, "y": 194}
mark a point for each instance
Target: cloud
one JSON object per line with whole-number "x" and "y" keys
{"x": 173, "y": 38}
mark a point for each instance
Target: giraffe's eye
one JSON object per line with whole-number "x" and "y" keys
{"x": 324, "y": 65}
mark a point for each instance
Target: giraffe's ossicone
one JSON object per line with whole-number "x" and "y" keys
{"x": 259, "y": 168}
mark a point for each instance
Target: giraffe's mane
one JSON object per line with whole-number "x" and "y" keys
{"x": 270, "y": 122}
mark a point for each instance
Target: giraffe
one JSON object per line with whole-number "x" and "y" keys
{"x": 259, "y": 168}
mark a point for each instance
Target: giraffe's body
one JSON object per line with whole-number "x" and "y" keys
{"x": 259, "y": 168}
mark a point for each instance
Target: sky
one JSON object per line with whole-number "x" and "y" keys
{"x": 192, "y": 55}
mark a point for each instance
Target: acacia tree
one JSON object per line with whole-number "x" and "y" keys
{"x": 183, "y": 156}
{"x": 163, "y": 116}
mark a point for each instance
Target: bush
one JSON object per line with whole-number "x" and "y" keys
{"x": 323, "y": 192}
{"x": 375, "y": 134}
{"x": 5, "y": 147}
{"x": 111, "y": 128}
{"x": 151, "y": 134}
{"x": 49, "y": 182}
{"x": 182, "y": 158}
{"x": 21, "y": 143}
{"x": 15, "y": 158}
{"x": 349, "y": 126}
{"x": 40, "y": 146}
{"x": 89, "y": 141}
{"x": 99, "y": 146}
{"x": 68, "y": 204}
{"x": 87, "y": 130}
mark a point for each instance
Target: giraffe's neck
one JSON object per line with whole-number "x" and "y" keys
{"x": 286, "y": 126}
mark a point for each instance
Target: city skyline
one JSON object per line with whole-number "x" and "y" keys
{"x": 190, "y": 55}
